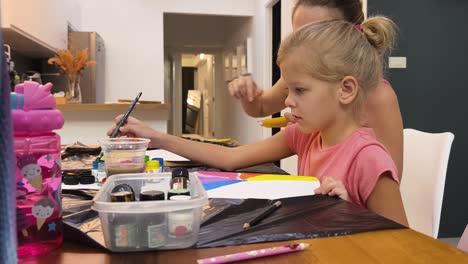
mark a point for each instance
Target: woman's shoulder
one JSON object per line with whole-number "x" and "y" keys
{"x": 383, "y": 94}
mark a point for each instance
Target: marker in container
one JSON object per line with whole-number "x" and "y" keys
{"x": 123, "y": 227}
{"x": 154, "y": 230}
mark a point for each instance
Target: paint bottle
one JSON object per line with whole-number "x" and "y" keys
{"x": 161, "y": 163}
{"x": 180, "y": 223}
{"x": 124, "y": 229}
{"x": 101, "y": 172}
{"x": 153, "y": 231}
{"x": 152, "y": 166}
{"x": 179, "y": 184}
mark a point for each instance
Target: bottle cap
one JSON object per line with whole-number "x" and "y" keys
{"x": 153, "y": 195}
{"x": 123, "y": 196}
{"x": 180, "y": 172}
{"x": 87, "y": 179}
{"x": 180, "y": 198}
{"x": 95, "y": 164}
{"x": 161, "y": 161}
{"x": 124, "y": 188}
{"x": 174, "y": 192}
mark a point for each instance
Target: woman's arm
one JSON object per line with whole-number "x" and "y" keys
{"x": 384, "y": 117}
{"x": 258, "y": 103}
{"x": 385, "y": 200}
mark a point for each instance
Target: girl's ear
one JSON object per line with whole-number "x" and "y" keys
{"x": 348, "y": 90}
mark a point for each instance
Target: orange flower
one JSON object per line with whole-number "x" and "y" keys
{"x": 70, "y": 64}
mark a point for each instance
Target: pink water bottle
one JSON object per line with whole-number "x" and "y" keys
{"x": 38, "y": 172}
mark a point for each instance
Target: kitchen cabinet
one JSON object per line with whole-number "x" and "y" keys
{"x": 38, "y": 28}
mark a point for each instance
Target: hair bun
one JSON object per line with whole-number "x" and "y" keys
{"x": 380, "y": 32}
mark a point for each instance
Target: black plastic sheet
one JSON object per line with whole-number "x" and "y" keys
{"x": 298, "y": 218}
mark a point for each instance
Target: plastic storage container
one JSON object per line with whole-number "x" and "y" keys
{"x": 38, "y": 171}
{"x": 124, "y": 155}
{"x": 149, "y": 225}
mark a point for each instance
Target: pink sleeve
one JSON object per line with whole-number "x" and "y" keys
{"x": 369, "y": 165}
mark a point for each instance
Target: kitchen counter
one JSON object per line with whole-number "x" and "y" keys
{"x": 112, "y": 107}
{"x": 88, "y": 123}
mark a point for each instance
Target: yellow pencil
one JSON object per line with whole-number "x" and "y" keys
{"x": 274, "y": 122}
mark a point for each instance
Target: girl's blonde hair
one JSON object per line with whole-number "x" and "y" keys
{"x": 331, "y": 50}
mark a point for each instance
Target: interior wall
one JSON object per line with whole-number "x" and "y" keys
{"x": 432, "y": 89}
{"x": 133, "y": 35}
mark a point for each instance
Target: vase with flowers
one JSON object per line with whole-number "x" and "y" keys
{"x": 71, "y": 66}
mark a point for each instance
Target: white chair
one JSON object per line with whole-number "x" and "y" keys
{"x": 425, "y": 160}
{"x": 463, "y": 243}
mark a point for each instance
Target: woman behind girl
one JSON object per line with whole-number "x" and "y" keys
{"x": 380, "y": 111}
{"x": 329, "y": 68}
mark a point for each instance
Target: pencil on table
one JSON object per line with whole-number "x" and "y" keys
{"x": 263, "y": 215}
{"x": 253, "y": 254}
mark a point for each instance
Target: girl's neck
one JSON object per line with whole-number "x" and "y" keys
{"x": 338, "y": 132}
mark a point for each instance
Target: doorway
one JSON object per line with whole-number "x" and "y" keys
{"x": 198, "y": 93}
{"x": 195, "y": 48}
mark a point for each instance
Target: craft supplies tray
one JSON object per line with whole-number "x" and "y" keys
{"x": 149, "y": 225}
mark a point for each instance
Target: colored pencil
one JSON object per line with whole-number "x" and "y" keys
{"x": 263, "y": 215}
{"x": 260, "y": 253}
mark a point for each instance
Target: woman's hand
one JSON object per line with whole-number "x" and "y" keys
{"x": 134, "y": 128}
{"x": 244, "y": 88}
{"x": 332, "y": 187}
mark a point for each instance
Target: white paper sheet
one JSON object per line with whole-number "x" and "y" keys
{"x": 264, "y": 189}
{"x": 166, "y": 155}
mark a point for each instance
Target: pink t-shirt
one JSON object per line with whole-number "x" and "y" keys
{"x": 358, "y": 161}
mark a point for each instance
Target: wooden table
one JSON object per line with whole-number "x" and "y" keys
{"x": 389, "y": 246}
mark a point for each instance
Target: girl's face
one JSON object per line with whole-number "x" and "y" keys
{"x": 313, "y": 102}
{"x": 305, "y": 15}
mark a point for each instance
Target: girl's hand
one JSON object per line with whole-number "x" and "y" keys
{"x": 244, "y": 88}
{"x": 133, "y": 128}
{"x": 332, "y": 187}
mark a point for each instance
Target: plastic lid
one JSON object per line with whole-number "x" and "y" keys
{"x": 152, "y": 195}
{"x": 180, "y": 198}
{"x": 33, "y": 108}
{"x": 122, "y": 197}
{"x": 161, "y": 161}
{"x": 178, "y": 192}
{"x": 180, "y": 172}
{"x": 123, "y": 188}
